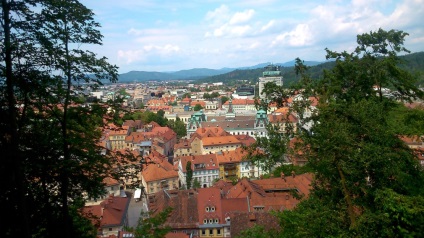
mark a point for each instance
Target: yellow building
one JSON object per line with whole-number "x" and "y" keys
{"x": 212, "y": 145}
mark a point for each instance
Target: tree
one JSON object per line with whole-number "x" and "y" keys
{"x": 206, "y": 96}
{"x": 362, "y": 167}
{"x": 196, "y": 183}
{"x": 187, "y": 95}
{"x": 197, "y": 107}
{"x": 268, "y": 151}
{"x": 366, "y": 179}
{"x": 214, "y": 95}
{"x": 189, "y": 175}
{"x": 224, "y": 99}
{"x": 258, "y": 231}
{"x": 153, "y": 227}
{"x": 179, "y": 127}
{"x": 161, "y": 113}
{"x": 51, "y": 153}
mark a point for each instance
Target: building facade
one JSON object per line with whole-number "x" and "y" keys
{"x": 272, "y": 73}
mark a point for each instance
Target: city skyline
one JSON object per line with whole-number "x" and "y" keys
{"x": 172, "y": 35}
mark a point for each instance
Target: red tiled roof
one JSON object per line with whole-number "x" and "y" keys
{"x": 176, "y": 235}
{"x": 246, "y": 140}
{"x": 154, "y": 172}
{"x": 241, "y": 102}
{"x": 220, "y": 140}
{"x": 210, "y": 132}
{"x": 223, "y": 185}
{"x": 184, "y": 207}
{"x": 110, "y": 212}
{"x": 236, "y": 155}
{"x": 110, "y": 181}
{"x": 208, "y": 198}
{"x": 209, "y": 160}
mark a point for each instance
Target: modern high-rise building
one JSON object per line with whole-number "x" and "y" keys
{"x": 272, "y": 73}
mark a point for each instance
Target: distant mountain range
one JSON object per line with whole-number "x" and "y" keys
{"x": 194, "y": 74}
{"x": 232, "y": 76}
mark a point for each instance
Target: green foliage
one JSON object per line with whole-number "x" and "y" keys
{"x": 407, "y": 121}
{"x": 186, "y": 95}
{"x": 258, "y": 231}
{"x": 197, "y": 107}
{"x": 50, "y": 146}
{"x": 414, "y": 63}
{"x": 361, "y": 166}
{"x": 179, "y": 127}
{"x": 368, "y": 183}
{"x": 189, "y": 174}
{"x": 272, "y": 149}
{"x": 153, "y": 227}
{"x": 395, "y": 215}
{"x": 196, "y": 183}
{"x": 123, "y": 92}
{"x": 224, "y": 99}
{"x": 211, "y": 95}
{"x": 289, "y": 169}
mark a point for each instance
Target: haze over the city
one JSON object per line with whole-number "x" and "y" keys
{"x": 170, "y": 35}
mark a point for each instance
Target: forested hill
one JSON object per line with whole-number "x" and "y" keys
{"x": 413, "y": 62}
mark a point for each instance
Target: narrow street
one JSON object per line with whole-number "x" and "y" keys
{"x": 135, "y": 209}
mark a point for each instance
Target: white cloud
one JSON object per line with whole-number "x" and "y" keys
{"x": 300, "y": 36}
{"x": 268, "y": 25}
{"x": 242, "y": 17}
{"x": 219, "y": 15}
{"x": 204, "y": 34}
{"x": 135, "y": 32}
{"x": 130, "y": 56}
{"x": 225, "y": 24}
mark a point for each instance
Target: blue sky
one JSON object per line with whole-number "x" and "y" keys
{"x": 171, "y": 35}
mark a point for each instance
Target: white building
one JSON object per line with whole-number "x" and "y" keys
{"x": 272, "y": 73}
{"x": 205, "y": 169}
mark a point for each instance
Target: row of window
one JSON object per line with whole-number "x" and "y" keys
{"x": 209, "y": 232}
{"x": 213, "y": 171}
{"x": 210, "y": 209}
{"x": 220, "y": 147}
{"x": 211, "y": 221}
{"x": 206, "y": 178}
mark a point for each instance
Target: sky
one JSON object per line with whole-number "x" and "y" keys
{"x": 172, "y": 35}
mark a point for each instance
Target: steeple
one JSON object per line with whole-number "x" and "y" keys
{"x": 261, "y": 119}
{"x": 230, "y": 115}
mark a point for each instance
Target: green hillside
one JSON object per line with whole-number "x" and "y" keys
{"x": 413, "y": 62}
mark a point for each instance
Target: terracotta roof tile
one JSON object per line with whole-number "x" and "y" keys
{"x": 110, "y": 212}
{"x": 209, "y": 161}
{"x": 154, "y": 172}
{"x": 220, "y": 140}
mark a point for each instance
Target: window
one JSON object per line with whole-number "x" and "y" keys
{"x": 207, "y": 209}
{"x": 216, "y": 220}
{"x": 218, "y": 232}
{"x": 210, "y": 221}
{"x": 205, "y": 221}
{"x": 210, "y": 232}
{"x": 203, "y": 232}
{"x": 110, "y": 228}
{"x": 212, "y": 209}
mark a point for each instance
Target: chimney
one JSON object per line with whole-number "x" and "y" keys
{"x": 282, "y": 175}
{"x": 293, "y": 173}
